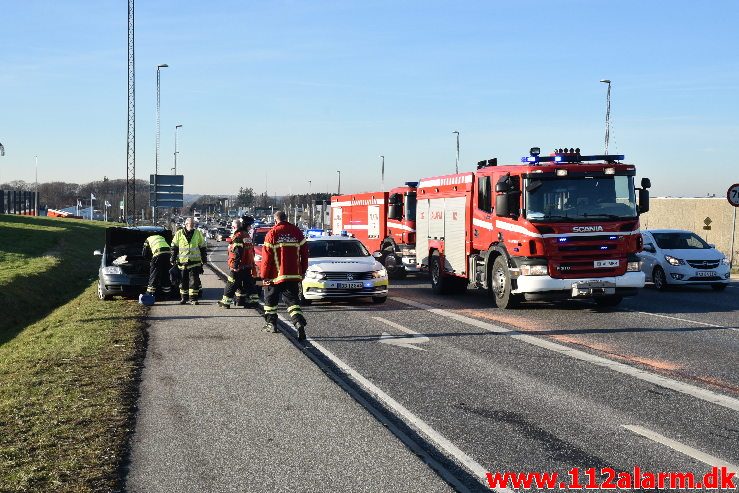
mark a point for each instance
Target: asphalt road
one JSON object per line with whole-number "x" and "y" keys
{"x": 548, "y": 387}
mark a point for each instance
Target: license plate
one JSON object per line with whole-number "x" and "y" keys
{"x": 349, "y": 285}
{"x": 605, "y": 264}
{"x": 705, "y": 273}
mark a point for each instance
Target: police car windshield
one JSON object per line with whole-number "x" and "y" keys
{"x": 336, "y": 248}
{"x": 584, "y": 198}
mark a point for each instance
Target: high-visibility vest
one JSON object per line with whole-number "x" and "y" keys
{"x": 189, "y": 252}
{"x": 157, "y": 244}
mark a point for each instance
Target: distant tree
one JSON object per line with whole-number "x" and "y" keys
{"x": 245, "y": 198}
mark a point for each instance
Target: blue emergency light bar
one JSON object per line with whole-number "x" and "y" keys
{"x": 572, "y": 158}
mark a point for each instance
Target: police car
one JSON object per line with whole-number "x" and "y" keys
{"x": 341, "y": 267}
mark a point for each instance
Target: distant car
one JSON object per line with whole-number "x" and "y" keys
{"x": 340, "y": 267}
{"x": 672, "y": 257}
{"x": 212, "y": 233}
{"x": 257, "y": 236}
{"x": 123, "y": 271}
{"x": 222, "y": 234}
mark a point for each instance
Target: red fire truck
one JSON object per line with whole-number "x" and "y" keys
{"x": 385, "y": 222}
{"x": 555, "y": 227}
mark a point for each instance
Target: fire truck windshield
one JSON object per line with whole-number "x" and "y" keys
{"x": 584, "y": 198}
{"x": 410, "y": 206}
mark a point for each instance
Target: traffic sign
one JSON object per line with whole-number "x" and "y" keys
{"x": 166, "y": 190}
{"x": 732, "y": 195}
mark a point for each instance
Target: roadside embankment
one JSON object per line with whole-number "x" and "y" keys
{"x": 68, "y": 361}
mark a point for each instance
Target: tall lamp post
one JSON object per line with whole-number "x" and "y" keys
{"x": 156, "y": 159}
{"x": 382, "y": 174}
{"x": 338, "y": 192}
{"x": 177, "y": 127}
{"x": 310, "y": 204}
{"x": 456, "y": 165}
{"x": 608, "y": 112}
{"x": 35, "y": 198}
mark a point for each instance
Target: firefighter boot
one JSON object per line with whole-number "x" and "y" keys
{"x": 301, "y": 330}
{"x": 224, "y": 302}
{"x": 183, "y": 300}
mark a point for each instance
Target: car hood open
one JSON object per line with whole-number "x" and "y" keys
{"x": 126, "y": 236}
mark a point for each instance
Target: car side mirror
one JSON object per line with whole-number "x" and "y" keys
{"x": 649, "y": 248}
{"x": 377, "y": 255}
{"x": 712, "y": 245}
{"x": 97, "y": 253}
{"x": 643, "y": 201}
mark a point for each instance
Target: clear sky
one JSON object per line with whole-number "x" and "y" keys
{"x": 291, "y": 91}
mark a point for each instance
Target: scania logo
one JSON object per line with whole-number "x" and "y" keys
{"x": 586, "y": 229}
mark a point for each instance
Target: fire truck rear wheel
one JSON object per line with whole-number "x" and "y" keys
{"x": 394, "y": 271}
{"x": 501, "y": 285}
{"x": 438, "y": 281}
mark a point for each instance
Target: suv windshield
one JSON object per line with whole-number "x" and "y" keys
{"x": 336, "y": 248}
{"x": 410, "y": 206}
{"x": 580, "y": 199}
{"x": 680, "y": 241}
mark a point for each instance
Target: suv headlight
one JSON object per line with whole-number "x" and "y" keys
{"x": 725, "y": 261}
{"x": 674, "y": 260}
{"x": 379, "y": 273}
{"x": 534, "y": 270}
{"x": 633, "y": 266}
{"x": 314, "y": 274}
{"x": 112, "y": 269}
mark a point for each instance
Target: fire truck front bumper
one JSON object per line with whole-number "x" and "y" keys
{"x": 546, "y": 287}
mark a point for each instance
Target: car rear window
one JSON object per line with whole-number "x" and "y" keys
{"x": 259, "y": 237}
{"x": 680, "y": 241}
{"x": 336, "y": 248}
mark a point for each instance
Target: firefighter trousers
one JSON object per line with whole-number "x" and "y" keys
{"x": 159, "y": 275}
{"x": 288, "y": 290}
{"x": 190, "y": 281}
{"x": 240, "y": 285}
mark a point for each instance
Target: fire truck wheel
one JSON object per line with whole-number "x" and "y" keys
{"x": 439, "y": 283}
{"x": 501, "y": 285}
{"x": 394, "y": 271}
{"x": 608, "y": 301}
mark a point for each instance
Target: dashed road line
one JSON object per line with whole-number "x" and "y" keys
{"x": 682, "y": 448}
{"x": 682, "y": 319}
{"x": 684, "y": 388}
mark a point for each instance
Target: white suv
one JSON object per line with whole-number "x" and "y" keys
{"x": 678, "y": 257}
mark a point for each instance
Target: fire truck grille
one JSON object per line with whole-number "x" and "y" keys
{"x": 348, "y": 276}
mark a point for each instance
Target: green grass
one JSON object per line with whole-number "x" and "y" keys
{"x": 67, "y": 360}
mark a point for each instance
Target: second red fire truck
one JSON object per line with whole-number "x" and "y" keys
{"x": 385, "y": 222}
{"x": 554, "y": 227}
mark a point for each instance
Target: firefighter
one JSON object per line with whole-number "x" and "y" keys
{"x": 157, "y": 248}
{"x": 188, "y": 253}
{"x": 241, "y": 269}
{"x": 284, "y": 262}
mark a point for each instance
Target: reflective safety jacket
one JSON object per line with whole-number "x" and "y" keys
{"x": 284, "y": 254}
{"x": 188, "y": 252}
{"x": 155, "y": 245}
{"x": 241, "y": 252}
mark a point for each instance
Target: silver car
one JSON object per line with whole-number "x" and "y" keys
{"x": 672, "y": 257}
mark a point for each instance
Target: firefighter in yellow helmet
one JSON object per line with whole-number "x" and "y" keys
{"x": 188, "y": 253}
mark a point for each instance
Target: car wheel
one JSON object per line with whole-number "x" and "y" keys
{"x": 501, "y": 285}
{"x": 659, "y": 279}
{"x": 718, "y": 287}
{"x": 608, "y": 301}
{"x": 439, "y": 283}
{"x": 379, "y": 299}
{"x": 102, "y": 294}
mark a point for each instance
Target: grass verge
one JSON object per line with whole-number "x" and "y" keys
{"x": 68, "y": 362}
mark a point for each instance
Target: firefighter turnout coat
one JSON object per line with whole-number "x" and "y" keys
{"x": 241, "y": 252}
{"x": 284, "y": 254}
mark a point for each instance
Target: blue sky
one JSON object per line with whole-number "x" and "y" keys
{"x": 291, "y": 91}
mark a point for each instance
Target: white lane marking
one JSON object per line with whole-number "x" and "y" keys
{"x": 682, "y": 448}
{"x": 683, "y": 320}
{"x": 434, "y": 436}
{"x": 407, "y": 342}
{"x": 668, "y": 383}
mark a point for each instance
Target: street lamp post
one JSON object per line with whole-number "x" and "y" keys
{"x": 310, "y": 204}
{"x": 456, "y": 165}
{"x": 338, "y": 192}
{"x": 382, "y": 174}
{"x": 608, "y": 112}
{"x": 177, "y": 127}
{"x": 156, "y": 158}
{"x": 35, "y": 198}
